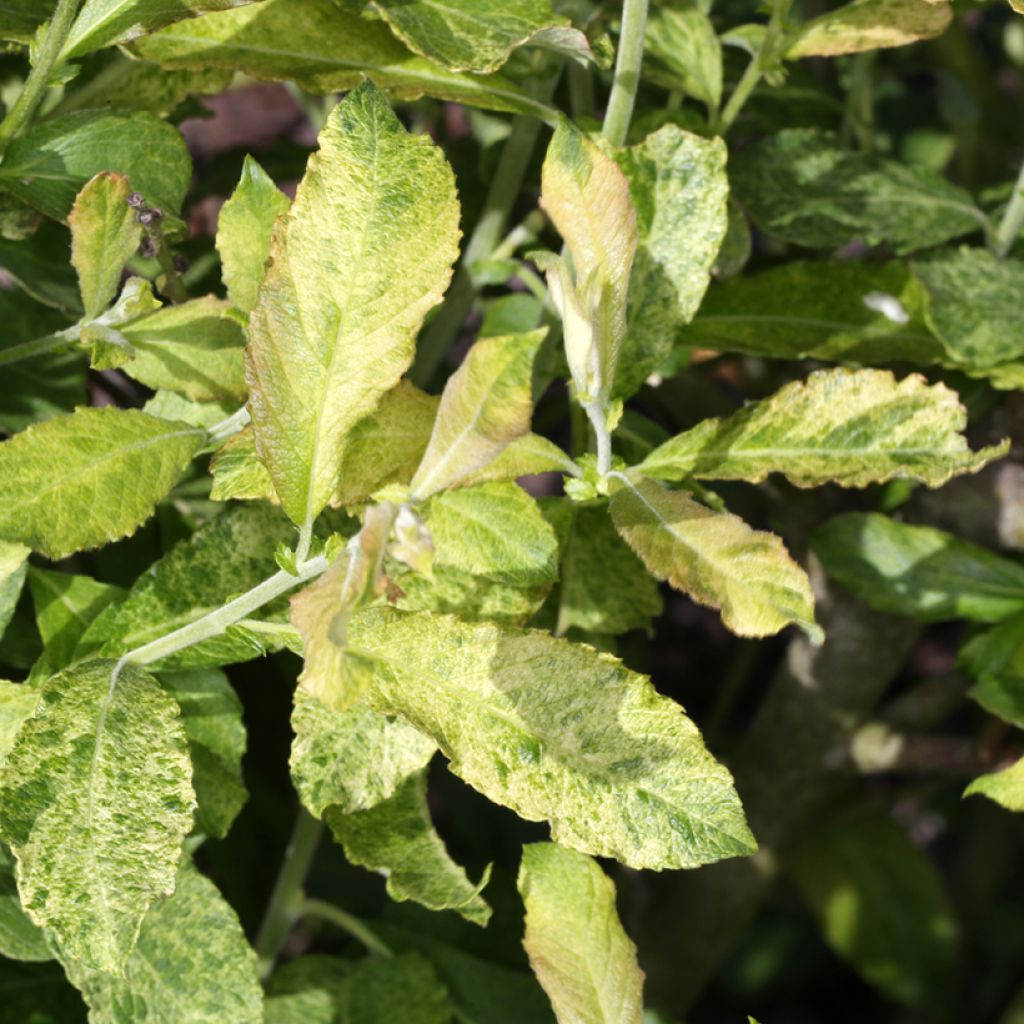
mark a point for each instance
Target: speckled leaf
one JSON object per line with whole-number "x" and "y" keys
{"x": 802, "y": 187}
{"x": 917, "y": 570}
{"x": 604, "y": 586}
{"x": 66, "y": 481}
{"x": 486, "y": 404}
{"x": 587, "y": 197}
{"x": 105, "y": 233}
{"x": 20, "y": 939}
{"x": 228, "y": 555}
{"x": 513, "y": 710}
{"x": 995, "y": 659}
{"x": 192, "y": 963}
{"x": 323, "y": 49}
{"x": 717, "y": 559}
{"x": 365, "y": 251}
{"x": 17, "y": 702}
{"x": 974, "y": 305}
{"x": 13, "y": 567}
{"x": 244, "y": 230}
{"x": 682, "y": 51}
{"x": 194, "y": 349}
{"x": 577, "y": 946}
{"x": 212, "y": 715}
{"x": 1005, "y": 787}
{"x": 470, "y": 35}
{"x": 95, "y": 800}
{"x": 49, "y": 163}
{"x": 851, "y": 427}
{"x": 493, "y": 530}
{"x": 396, "y": 838}
{"x": 678, "y": 186}
{"x": 351, "y": 760}
{"x": 870, "y": 25}
{"x": 238, "y": 472}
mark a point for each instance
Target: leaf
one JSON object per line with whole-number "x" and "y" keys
{"x": 682, "y": 51}
{"x": 20, "y": 939}
{"x": 95, "y": 800}
{"x": 19, "y": 20}
{"x": 244, "y": 230}
{"x": 105, "y": 234}
{"x": 556, "y": 731}
{"x": 365, "y": 251}
{"x": 48, "y": 165}
{"x": 495, "y": 531}
{"x": 176, "y": 973}
{"x": 576, "y": 943}
{"x": 870, "y": 25}
{"x": 525, "y": 456}
{"x": 604, "y": 586}
{"x": 487, "y": 404}
{"x": 212, "y": 715}
{"x": 167, "y": 405}
{"x": 471, "y": 35}
{"x": 1005, "y": 787}
{"x": 17, "y": 703}
{"x": 351, "y": 760}
{"x": 227, "y": 556}
{"x": 851, "y": 427}
{"x": 995, "y": 659}
{"x": 881, "y": 905}
{"x": 194, "y": 348}
{"x": 918, "y": 571}
{"x": 39, "y": 265}
{"x": 238, "y": 472}
{"x": 587, "y": 197}
{"x": 679, "y": 189}
{"x": 13, "y": 567}
{"x": 39, "y": 993}
{"x": 396, "y": 838}
{"x": 717, "y": 559}
{"x": 324, "y": 49}
{"x": 65, "y": 479}
{"x": 973, "y": 305}
{"x": 803, "y": 188}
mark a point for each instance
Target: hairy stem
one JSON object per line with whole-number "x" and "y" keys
{"x": 285, "y": 903}
{"x": 347, "y": 923}
{"x": 596, "y": 414}
{"x": 39, "y": 346}
{"x": 38, "y": 81}
{"x": 1013, "y": 219}
{"x": 627, "y": 72}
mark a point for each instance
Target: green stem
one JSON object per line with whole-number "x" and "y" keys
{"x": 1013, "y": 220}
{"x": 285, "y": 903}
{"x": 39, "y": 346}
{"x": 173, "y": 286}
{"x": 347, "y": 923}
{"x": 859, "y": 116}
{"x": 627, "y": 72}
{"x": 38, "y": 81}
{"x": 234, "y": 423}
{"x": 596, "y": 413}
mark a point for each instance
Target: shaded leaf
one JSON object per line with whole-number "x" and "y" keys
{"x": 13, "y": 567}
{"x": 682, "y": 51}
{"x": 238, "y": 472}
{"x": 20, "y": 939}
{"x": 870, "y": 25}
{"x": 995, "y": 659}
{"x": 1005, "y": 787}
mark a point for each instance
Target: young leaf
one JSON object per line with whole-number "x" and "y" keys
{"x": 230, "y": 554}
{"x": 851, "y": 427}
{"x": 870, "y": 25}
{"x": 995, "y": 659}
{"x": 244, "y": 230}
{"x": 238, "y": 473}
{"x": 1005, "y": 787}
{"x": 513, "y": 709}
{"x": 587, "y": 198}
{"x": 495, "y": 531}
{"x": 212, "y": 715}
{"x": 65, "y": 479}
{"x": 176, "y": 973}
{"x": 95, "y": 800}
{"x": 351, "y": 760}
{"x": 578, "y": 949}
{"x": 13, "y": 567}
{"x": 323, "y": 48}
{"x": 20, "y": 939}
{"x": 396, "y": 838}
{"x": 682, "y": 51}
{"x": 717, "y": 559}
{"x": 525, "y": 456}
{"x": 882, "y": 906}
{"x": 918, "y": 571}
{"x": 678, "y": 187}
{"x": 802, "y": 187}
{"x": 365, "y": 251}
{"x": 105, "y": 233}
{"x": 486, "y": 405}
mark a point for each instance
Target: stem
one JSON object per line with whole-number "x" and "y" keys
{"x": 286, "y": 899}
{"x": 234, "y": 423}
{"x": 1013, "y": 219}
{"x": 174, "y": 287}
{"x": 859, "y": 116}
{"x": 627, "y": 72}
{"x": 39, "y": 346}
{"x": 347, "y": 923}
{"x": 38, "y": 81}
{"x": 596, "y": 414}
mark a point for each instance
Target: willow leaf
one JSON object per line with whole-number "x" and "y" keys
{"x": 717, "y": 559}
{"x": 365, "y": 251}
{"x": 870, "y": 25}
{"x": 576, "y": 943}
{"x": 514, "y": 710}
{"x": 95, "y": 800}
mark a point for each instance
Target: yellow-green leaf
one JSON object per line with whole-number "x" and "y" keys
{"x": 238, "y": 472}
{"x": 870, "y": 25}
{"x": 1005, "y": 787}
{"x": 13, "y": 566}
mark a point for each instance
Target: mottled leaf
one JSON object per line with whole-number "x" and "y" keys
{"x": 82, "y": 480}
{"x": 918, "y": 571}
{"x": 870, "y": 25}
{"x": 17, "y": 702}
{"x": 1005, "y": 787}
{"x": 576, "y": 943}
{"x": 95, "y": 800}
{"x": 682, "y": 51}
{"x": 995, "y": 659}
